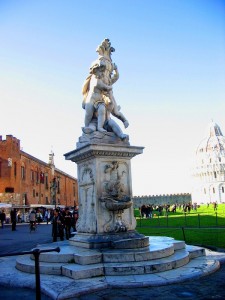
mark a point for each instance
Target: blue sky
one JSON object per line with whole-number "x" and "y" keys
{"x": 171, "y": 59}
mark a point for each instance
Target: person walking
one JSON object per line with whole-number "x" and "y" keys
{"x": 75, "y": 216}
{"x": 48, "y": 216}
{"x": 2, "y": 218}
{"x": 57, "y": 226}
{"x": 32, "y": 218}
{"x": 67, "y": 222}
{"x": 13, "y": 214}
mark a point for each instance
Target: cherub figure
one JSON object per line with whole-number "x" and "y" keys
{"x": 99, "y": 101}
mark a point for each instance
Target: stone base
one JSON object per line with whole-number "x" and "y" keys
{"x": 101, "y": 138}
{"x": 123, "y": 240}
{"x": 165, "y": 261}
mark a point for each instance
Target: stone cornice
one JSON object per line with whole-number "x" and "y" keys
{"x": 103, "y": 150}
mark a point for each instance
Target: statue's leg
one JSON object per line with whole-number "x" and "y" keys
{"x": 116, "y": 129}
{"x": 89, "y": 111}
{"x": 116, "y": 112}
{"x": 101, "y": 117}
{"x": 91, "y": 128}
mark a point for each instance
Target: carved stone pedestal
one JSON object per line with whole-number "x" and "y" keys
{"x": 105, "y": 190}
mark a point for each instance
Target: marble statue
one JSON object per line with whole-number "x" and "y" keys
{"x": 103, "y": 156}
{"x": 99, "y": 102}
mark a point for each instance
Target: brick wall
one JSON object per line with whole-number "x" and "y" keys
{"x": 26, "y": 180}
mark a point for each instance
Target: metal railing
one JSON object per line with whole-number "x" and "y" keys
{"x": 36, "y": 252}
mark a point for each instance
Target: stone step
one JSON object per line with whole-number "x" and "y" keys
{"x": 195, "y": 269}
{"x": 26, "y": 264}
{"x": 65, "y": 255}
{"x": 131, "y": 243}
{"x": 176, "y": 260}
{"x": 85, "y": 256}
{"x": 154, "y": 251}
{"x": 76, "y": 271}
{"x": 195, "y": 251}
{"x": 78, "y": 263}
{"x": 165, "y": 239}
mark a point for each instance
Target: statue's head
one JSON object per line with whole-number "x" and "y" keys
{"x": 105, "y": 49}
{"x": 97, "y": 69}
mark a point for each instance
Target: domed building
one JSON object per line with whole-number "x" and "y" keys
{"x": 209, "y": 171}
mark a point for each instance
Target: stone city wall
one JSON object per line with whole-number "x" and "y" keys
{"x": 138, "y": 201}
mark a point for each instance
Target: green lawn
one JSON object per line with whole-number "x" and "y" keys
{"x": 204, "y": 227}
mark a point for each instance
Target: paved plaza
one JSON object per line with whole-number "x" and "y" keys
{"x": 208, "y": 287}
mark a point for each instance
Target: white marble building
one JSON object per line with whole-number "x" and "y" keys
{"x": 209, "y": 170}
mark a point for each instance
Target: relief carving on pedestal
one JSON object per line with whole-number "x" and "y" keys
{"x": 87, "y": 219}
{"x": 115, "y": 197}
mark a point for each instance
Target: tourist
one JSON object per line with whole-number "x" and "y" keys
{"x": 67, "y": 222}
{"x": 47, "y": 216}
{"x": 215, "y": 206}
{"x": 143, "y": 211}
{"x": 39, "y": 217}
{"x": 13, "y": 215}
{"x": 2, "y": 218}
{"x": 57, "y": 226}
{"x": 32, "y": 218}
{"x": 75, "y": 218}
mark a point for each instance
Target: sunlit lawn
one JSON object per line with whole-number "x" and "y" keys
{"x": 203, "y": 227}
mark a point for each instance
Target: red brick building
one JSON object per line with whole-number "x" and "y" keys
{"x": 26, "y": 181}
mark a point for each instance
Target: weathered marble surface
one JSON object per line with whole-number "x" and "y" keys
{"x": 86, "y": 263}
{"x": 105, "y": 191}
{"x": 98, "y": 99}
{"x": 103, "y": 154}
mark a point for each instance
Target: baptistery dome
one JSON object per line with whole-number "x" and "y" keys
{"x": 209, "y": 169}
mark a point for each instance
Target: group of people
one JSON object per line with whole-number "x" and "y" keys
{"x": 147, "y": 210}
{"x": 62, "y": 222}
{"x": 13, "y": 217}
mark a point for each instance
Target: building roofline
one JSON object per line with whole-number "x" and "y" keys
{"x": 45, "y": 164}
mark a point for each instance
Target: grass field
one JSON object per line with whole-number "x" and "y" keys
{"x": 202, "y": 227}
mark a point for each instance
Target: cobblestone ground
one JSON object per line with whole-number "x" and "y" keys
{"x": 209, "y": 287}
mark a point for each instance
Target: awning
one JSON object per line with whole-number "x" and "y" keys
{"x": 5, "y": 205}
{"x": 46, "y": 206}
{"x": 20, "y": 206}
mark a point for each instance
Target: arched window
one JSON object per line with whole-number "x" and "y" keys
{"x": 222, "y": 189}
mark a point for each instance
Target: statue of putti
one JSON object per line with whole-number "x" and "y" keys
{"x": 99, "y": 102}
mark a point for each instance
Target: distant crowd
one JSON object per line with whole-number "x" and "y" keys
{"x": 148, "y": 211}
{"x": 63, "y": 220}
